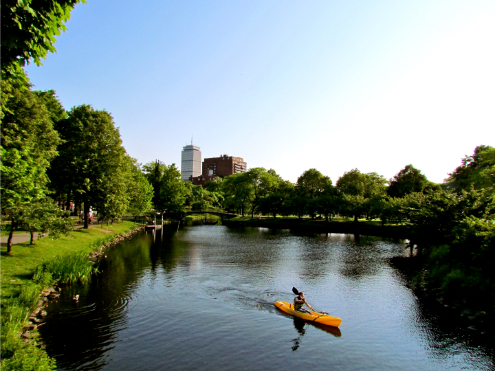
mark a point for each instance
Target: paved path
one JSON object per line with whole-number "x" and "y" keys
{"x": 26, "y": 237}
{"x": 18, "y": 238}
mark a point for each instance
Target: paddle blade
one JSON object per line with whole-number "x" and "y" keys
{"x": 294, "y": 290}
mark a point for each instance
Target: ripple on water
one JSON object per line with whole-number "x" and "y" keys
{"x": 203, "y": 299}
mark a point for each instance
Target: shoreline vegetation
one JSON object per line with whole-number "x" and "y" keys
{"x": 340, "y": 225}
{"x": 36, "y": 273}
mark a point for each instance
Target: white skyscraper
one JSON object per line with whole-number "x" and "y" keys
{"x": 191, "y": 162}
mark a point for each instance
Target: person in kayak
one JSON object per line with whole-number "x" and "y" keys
{"x": 299, "y": 301}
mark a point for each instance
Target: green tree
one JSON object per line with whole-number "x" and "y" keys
{"x": 202, "y": 199}
{"x": 47, "y": 218}
{"x": 406, "y": 181}
{"x": 173, "y": 190}
{"x": 28, "y": 144}
{"x": 92, "y": 165}
{"x": 361, "y": 192}
{"x": 276, "y": 200}
{"x": 154, "y": 172}
{"x": 262, "y": 183}
{"x": 329, "y": 202}
{"x": 312, "y": 183}
{"x": 57, "y": 114}
{"x": 29, "y": 29}
{"x": 310, "y": 187}
{"x": 477, "y": 171}
{"x": 238, "y": 191}
{"x": 214, "y": 185}
{"x": 140, "y": 191}
{"x": 52, "y": 104}
{"x": 113, "y": 197}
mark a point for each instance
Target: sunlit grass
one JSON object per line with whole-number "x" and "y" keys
{"x": 18, "y": 268}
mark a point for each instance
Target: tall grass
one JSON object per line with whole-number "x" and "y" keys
{"x": 70, "y": 268}
{"x": 15, "y": 353}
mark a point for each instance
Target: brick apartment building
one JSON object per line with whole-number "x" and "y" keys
{"x": 220, "y": 167}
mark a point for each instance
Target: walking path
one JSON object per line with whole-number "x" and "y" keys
{"x": 26, "y": 237}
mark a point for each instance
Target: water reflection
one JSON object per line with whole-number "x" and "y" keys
{"x": 299, "y": 326}
{"x": 187, "y": 298}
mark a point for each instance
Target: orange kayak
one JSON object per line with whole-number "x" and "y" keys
{"x": 311, "y": 316}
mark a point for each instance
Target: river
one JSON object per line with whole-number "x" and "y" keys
{"x": 201, "y": 298}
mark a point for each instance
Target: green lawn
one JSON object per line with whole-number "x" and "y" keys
{"x": 17, "y": 269}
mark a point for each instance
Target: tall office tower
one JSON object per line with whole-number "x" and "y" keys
{"x": 191, "y": 162}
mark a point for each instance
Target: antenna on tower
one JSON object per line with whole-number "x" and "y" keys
{"x": 192, "y": 136}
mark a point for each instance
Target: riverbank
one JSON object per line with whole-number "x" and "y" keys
{"x": 367, "y": 228}
{"x": 24, "y": 296}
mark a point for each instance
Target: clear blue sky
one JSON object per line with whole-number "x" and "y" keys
{"x": 289, "y": 85}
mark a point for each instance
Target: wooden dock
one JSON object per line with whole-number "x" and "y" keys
{"x": 153, "y": 226}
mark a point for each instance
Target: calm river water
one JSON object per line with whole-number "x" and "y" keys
{"x": 201, "y": 298}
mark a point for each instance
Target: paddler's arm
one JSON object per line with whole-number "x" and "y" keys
{"x": 308, "y": 304}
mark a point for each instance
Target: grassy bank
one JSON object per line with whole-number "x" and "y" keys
{"x": 18, "y": 268}
{"x": 30, "y": 269}
{"x": 336, "y": 225}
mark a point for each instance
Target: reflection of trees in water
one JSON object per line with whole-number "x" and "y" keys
{"x": 356, "y": 255}
{"x": 317, "y": 254}
{"x": 447, "y": 332}
{"x": 79, "y": 334}
{"x": 364, "y": 256}
{"x": 249, "y": 248}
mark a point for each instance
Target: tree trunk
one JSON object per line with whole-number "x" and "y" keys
{"x": 355, "y": 218}
{"x": 11, "y": 235}
{"x": 68, "y": 201}
{"x": 86, "y": 214}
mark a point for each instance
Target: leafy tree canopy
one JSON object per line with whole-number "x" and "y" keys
{"x": 173, "y": 190}
{"x": 355, "y": 183}
{"x": 52, "y": 104}
{"x": 477, "y": 170}
{"x": 140, "y": 190}
{"x": 28, "y": 144}
{"x": 28, "y": 31}
{"x": 406, "y": 181}
{"x": 154, "y": 172}
{"x": 312, "y": 183}
{"x": 93, "y": 164}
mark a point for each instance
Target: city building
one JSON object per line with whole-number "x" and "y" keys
{"x": 202, "y": 179}
{"x": 223, "y": 166}
{"x": 190, "y": 162}
{"x": 219, "y": 167}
